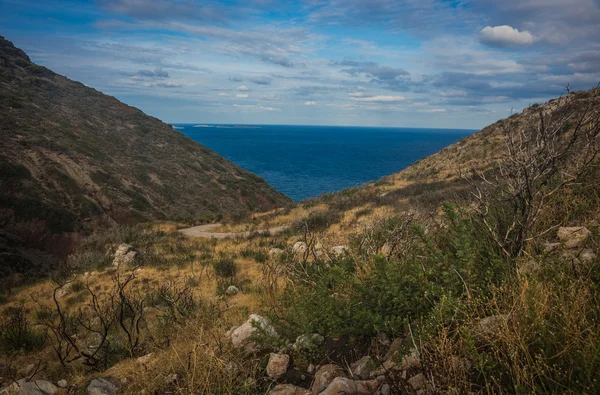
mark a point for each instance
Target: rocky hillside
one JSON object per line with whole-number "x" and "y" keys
{"x": 71, "y": 156}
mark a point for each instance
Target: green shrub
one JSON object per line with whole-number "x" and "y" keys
{"x": 17, "y": 334}
{"x": 225, "y": 268}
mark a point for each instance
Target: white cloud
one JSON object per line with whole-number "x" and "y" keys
{"x": 223, "y": 94}
{"x": 379, "y": 98}
{"x": 242, "y": 95}
{"x": 242, "y": 88}
{"x": 310, "y": 103}
{"x": 254, "y": 107}
{"x": 504, "y": 36}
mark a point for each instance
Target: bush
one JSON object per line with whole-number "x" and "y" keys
{"x": 17, "y": 335}
{"x": 225, "y": 268}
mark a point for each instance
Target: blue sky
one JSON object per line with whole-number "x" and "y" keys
{"x": 421, "y": 63}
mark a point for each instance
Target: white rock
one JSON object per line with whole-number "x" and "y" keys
{"x": 362, "y": 368}
{"x": 278, "y": 365}
{"x": 299, "y": 248}
{"x": 125, "y": 255}
{"x": 346, "y": 386}
{"x": 288, "y": 389}
{"x": 232, "y": 290}
{"x": 339, "y": 250}
{"x": 325, "y": 376}
{"x": 573, "y": 237}
{"x": 62, "y": 383}
{"x": 101, "y": 387}
{"x": 240, "y": 337}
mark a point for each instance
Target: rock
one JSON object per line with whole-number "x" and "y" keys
{"x": 62, "y": 383}
{"x": 13, "y": 388}
{"x": 308, "y": 342}
{"x": 346, "y": 386}
{"x": 587, "y": 256}
{"x": 549, "y": 247}
{"x": 171, "y": 379}
{"x": 275, "y": 251}
{"x": 240, "y": 337}
{"x": 490, "y": 324}
{"x": 362, "y": 368}
{"x": 339, "y": 250}
{"x": 37, "y": 387}
{"x": 325, "y": 376}
{"x": 288, "y": 389}
{"x": 310, "y": 369}
{"x": 573, "y": 237}
{"x": 394, "y": 347}
{"x": 418, "y": 382}
{"x": 145, "y": 359}
{"x": 232, "y": 290}
{"x": 278, "y": 365}
{"x": 299, "y": 248}
{"x": 386, "y": 249}
{"x": 101, "y": 387}
{"x": 29, "y": 369}
{"x": 125, "y": 255}
{"x": 412, "y": 360}
{"x": 230, "y": 331}
{"x": 385, "y": 389}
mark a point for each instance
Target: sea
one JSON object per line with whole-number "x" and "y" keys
{"x": 308, "y": 161}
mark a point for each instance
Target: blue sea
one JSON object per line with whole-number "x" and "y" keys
{"x": 307, "y": 161}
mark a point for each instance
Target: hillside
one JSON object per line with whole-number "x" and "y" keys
{"x": 474, "y": 271}
{"x": 71, "y": 157}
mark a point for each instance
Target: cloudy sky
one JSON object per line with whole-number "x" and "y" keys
{"x": 425, "y": 63}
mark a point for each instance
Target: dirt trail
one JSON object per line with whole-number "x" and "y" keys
{"x": 206, "y": 231}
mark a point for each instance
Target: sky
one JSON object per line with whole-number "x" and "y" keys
{"x": 405, "y": 63}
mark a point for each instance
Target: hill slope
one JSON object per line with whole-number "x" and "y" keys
{"x": 70, "y": 154}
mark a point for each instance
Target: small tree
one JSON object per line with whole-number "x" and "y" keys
{"x": 540, "y": 158}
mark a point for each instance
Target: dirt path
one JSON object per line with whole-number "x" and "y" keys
{"x": 206, "y": 231}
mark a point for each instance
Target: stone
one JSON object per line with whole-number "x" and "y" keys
{"x": 310, "y": 369}
{"x": 278, "y": 365}
{"x": 346, "y": 386}
{"x": 418, "y": 382}
{"x": 550, "y": 247}
{"x": 385, "y": 389}
{"x": 241, "y": 336}
{"x": 13, "y": 388}
{"x": 124, "y": 256}
{"x": 394, "y": 347}
{"x": 145, "y": 359}
{"x": 308, "y": 342}
{"x": 490, "y": 324}
{"x": 37, "y": 387}
{"x": 587, "y": 256}
{"x": 325, "y": 376}
{"x": 171, "y": 379}
{"x": 101, "y": 387}
{"x": 339, "y": 250}
{"x": 288, "y": 389}
{"x": 412, "y": 360}
{"x": 275, "y": 251}
{"x": 362, "y": 368}
{"x": 29, "y": 369}
{"x": 574, "y": 236}
{"x": 386, "y": 249}
{"x": 232, "y": 290}
{"x": 299, "y": 248}
{"x": 62, "y": 383}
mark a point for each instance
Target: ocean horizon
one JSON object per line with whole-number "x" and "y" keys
{"x": 304, "y": 161}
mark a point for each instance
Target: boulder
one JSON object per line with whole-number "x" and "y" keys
{"x": 62, "y": 383}
{"x": 299, "y": 248}
{"x": 232, "y": 290}
{"x": 587, "y": 256}
{"x": 278, "y": 365}
{"x": 125, "y": 255}
{"x": 346, "y": 386}
{"x": 362, "y": 368}
{"x": 241, "y": 336}
{"x": 418, "y": 382}
{"x": 288, "y": 389}
{"x": 339, "y": 250}
{"x": 325, "y": 376}
{"x": 574, "y": 236}
{"x": 37, "y": 387}
{"x": 308, "y": 342}
{"x": 101, "y": 387}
